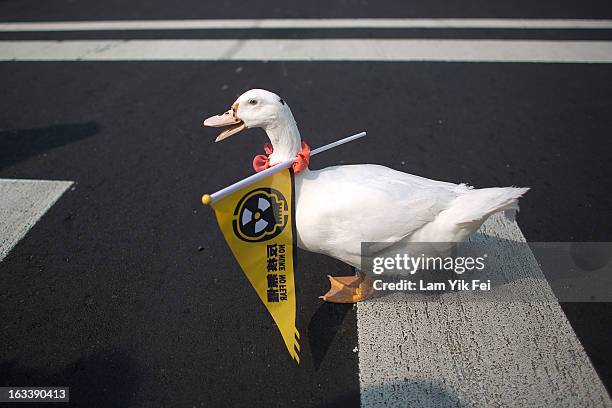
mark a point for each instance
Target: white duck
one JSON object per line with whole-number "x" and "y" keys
{"x": 333, "y": 218}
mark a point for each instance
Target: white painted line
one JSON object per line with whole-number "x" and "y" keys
{"x": 22, "y": 203}
{"x": 343, "y": 23}
{"x": 392, "y": 50}
{"x": 465, "y": 353}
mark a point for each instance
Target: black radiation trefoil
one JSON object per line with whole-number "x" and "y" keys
{"x": 260, "y": 215}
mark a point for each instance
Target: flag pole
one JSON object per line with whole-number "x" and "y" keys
{"x": 208, "y": 199}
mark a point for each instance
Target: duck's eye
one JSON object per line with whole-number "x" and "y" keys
{"x": 253, "y": 101}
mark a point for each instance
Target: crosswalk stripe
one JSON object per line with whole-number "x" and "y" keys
{"x": 298, "y": 23}
{"x": 22, "y": 203}
{"x": 465, "y": 352}
{"x": 391, "y": 50}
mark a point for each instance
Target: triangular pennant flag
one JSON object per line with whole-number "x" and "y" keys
{"x": 258, "y": 224}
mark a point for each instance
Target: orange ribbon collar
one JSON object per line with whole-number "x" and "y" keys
{"x": 262, "y": 161}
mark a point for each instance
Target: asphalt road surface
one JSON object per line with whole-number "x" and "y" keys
{"x": 125, "y": 289}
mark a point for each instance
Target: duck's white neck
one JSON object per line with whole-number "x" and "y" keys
{"x": 285, "y": 139}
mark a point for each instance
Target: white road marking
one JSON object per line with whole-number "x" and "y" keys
{"x": 465, "y": 353}
{"x": 332, "y": 23}
{"x": 22, "y": 203}
{"x": 391, "y": 50}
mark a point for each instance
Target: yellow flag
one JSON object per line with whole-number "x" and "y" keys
{"x": 257, "y": 222}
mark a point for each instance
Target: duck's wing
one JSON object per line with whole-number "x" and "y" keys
{"x": 367, "y": 203}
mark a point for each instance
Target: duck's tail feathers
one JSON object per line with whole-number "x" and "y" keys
{"x": 468, "y": 212}
{"x": 471, "y": 209}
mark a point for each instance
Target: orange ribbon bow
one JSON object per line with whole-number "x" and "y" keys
{"x": 262, "y": 161}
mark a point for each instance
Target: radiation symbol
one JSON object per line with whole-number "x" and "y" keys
{"x": 260, "y": 215}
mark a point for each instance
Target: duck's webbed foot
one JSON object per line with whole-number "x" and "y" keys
{"x": 348, "y": 289}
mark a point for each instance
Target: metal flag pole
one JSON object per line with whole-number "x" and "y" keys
{"x": 209, "y": 199}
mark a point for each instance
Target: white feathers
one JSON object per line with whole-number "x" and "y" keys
{"x": 340, "y": 207}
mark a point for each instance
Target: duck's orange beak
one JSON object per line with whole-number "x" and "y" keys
{"x": 229, "y": 119}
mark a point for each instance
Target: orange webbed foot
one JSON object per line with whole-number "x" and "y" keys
{"x": 347, "y": 289}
